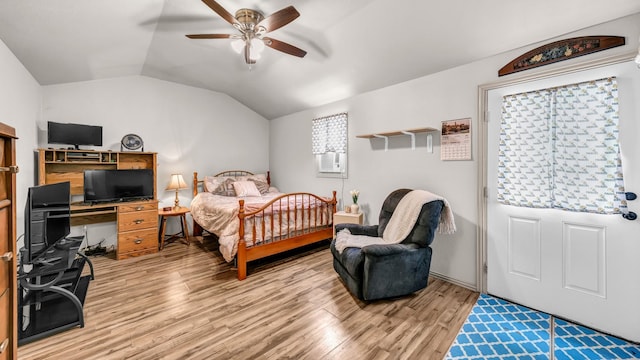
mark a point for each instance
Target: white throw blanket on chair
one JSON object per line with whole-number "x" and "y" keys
{"x": 401, "y": 223}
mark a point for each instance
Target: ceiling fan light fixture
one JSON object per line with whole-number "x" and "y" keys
{"x": 257, "y": 45}
{"x": 254, "y": 56}
{"x": 237, "y": 45}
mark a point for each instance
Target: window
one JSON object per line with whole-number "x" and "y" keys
{"x": 559, "y": 149}
{"x": 329, "y": 145}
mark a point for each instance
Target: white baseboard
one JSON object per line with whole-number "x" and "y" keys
{"x": 465, "y": 285}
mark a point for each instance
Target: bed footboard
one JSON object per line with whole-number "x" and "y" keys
{"x": 287, "y": 222}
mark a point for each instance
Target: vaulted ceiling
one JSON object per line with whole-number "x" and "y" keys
{"x": 353, "y": 46}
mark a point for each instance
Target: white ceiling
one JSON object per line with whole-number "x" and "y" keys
{"x": 353, "y": 46}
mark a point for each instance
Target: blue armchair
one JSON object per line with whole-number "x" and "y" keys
{"x": 384, "y": 271}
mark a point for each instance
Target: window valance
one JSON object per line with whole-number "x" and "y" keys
{"x": 329, "y": 134}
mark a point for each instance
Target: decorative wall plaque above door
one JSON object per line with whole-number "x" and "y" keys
{"x": 559, "y": 51}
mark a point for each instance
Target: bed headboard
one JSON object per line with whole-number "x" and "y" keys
{"x": 234, "y": 173}
{"x": 199, "y": 184}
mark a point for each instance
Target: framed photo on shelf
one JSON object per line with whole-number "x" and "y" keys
{"x": 455, "y": 140}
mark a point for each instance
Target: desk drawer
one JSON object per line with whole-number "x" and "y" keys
{"x": 141, "y": 206}
{"x": 128, "y": 221}
{"x": 138, "y": 241}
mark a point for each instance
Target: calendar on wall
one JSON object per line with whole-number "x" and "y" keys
{"x": 455, "y": 140}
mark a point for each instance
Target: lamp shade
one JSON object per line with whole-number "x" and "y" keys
{"x": 176, "y": 182}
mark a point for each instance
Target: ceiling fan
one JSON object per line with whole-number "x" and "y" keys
{"x": 253, "y": 26}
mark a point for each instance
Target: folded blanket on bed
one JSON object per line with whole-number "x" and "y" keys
{"x": 401, "y": 223}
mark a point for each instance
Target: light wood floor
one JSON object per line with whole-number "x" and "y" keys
{"x": 185, "y": 303}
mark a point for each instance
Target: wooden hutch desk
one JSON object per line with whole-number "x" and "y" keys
{"x": 137, "y": 222}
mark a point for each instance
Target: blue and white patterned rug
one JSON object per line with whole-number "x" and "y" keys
{"x": 499, "y": 330}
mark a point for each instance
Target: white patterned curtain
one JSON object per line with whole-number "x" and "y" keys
{"x": 559, "y": 149}
{"x": 524, "y": 160}
{"x": 329, "y": 134}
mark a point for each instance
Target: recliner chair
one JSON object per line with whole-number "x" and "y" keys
{"x": 384, "y": 271}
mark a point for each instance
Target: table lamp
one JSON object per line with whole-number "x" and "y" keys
{"x": 176, "y": 183}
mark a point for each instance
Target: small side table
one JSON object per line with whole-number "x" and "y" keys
{"x": 342, "y": 217}
{"x": 182, "y": 213}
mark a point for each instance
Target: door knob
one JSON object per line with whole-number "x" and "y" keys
{"x": 7, "y": 256}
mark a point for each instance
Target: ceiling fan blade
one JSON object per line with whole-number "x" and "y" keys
{"x": 208, "y": 36}
{"x": 221, "y": 11}
{"x": 279, "y": 19}
{"x": 284, "y": 47}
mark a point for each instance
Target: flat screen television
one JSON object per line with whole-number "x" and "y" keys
{"x": 74, "y": 134}
{"x": 47, "y": 219}
{"x": 118, "y": 185}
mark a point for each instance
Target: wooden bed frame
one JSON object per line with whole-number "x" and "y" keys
{"x": 309, "y": 234}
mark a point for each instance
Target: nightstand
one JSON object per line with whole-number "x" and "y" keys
{"x": 342, "y": 217}
{"x": 180, "y": 212}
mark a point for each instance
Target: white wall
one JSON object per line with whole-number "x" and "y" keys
{"x": 422, "y": 102}
{"x": 191, "y": 129}
{"x": 20, "y": 98}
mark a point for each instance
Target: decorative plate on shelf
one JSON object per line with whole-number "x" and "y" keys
{"x": 132, "y": 142}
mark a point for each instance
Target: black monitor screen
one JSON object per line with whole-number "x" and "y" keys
{"x": 118, "y": 185}
{"x": 47, "y": 218}
{"x": 74, "y": 134}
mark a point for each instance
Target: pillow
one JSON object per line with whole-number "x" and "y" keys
{"x": 210, "y": 183}
{"x": 246, "y": 188}
{"x": 259, "y": 179}
{"x": 262, "y": 186}
{"x": 219, "y": 185}
{"x": 226, "y": 188}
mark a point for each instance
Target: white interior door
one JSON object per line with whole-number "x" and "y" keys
{"x": 579, "y": 266}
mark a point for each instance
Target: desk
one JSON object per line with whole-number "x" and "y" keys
{"x": 137, "y": 224}
{"x": 182, "y": 213}
{"x": 342, "y": 217}
{"x": 137, "y": 221}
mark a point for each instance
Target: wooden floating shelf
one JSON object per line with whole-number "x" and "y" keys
{"x": 397, "y": 133}
{"x": 386, "y": 135}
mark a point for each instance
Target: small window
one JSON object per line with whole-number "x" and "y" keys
{"x": 329, "y": 142}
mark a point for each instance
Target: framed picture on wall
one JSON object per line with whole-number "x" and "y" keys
{"x": 455, "y": 140}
